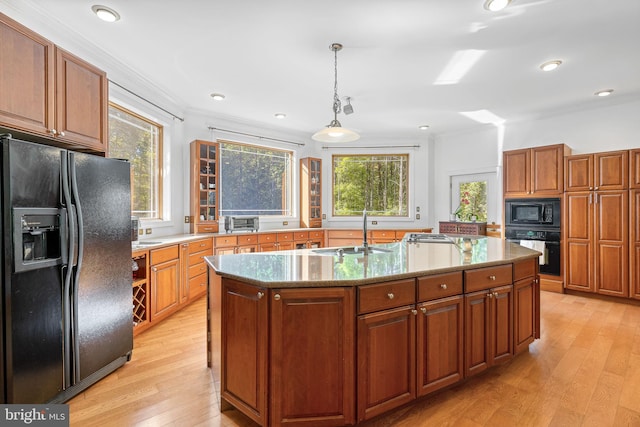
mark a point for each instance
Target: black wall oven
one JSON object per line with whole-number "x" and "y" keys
{"x": 536, "y": 220}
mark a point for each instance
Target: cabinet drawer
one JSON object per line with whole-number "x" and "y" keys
{"x": 165, "y": 254}
{"x": 383, "y": 234}
{"x": 247, "y": 239}
{"x": 198, "y": 258}
{"x": 301, "y": 235}
{"x": 207, "y": 228}
{"x": 226, "y": 241}
{"x": 197, "y": 269}
{"x": 524, "y": 269}
{"x": 485, "y": 278}
{"x": 197, "y": 285}
{"x": 200, "y": 245}
{"x": 345, "y": 234}
{"x": 439, "y": 286}
{"x": 285, "y": 237}
{"x": 266, "y": 238}
{"x": 386, "y": 295}
{"x": 313, "y": 235}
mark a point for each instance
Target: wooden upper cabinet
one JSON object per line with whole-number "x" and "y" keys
{"x": 598, "y": 171}
{"x": 81, "y": 102}
{"x": 26, "y": 79}
{"x": 534, "y": 171}
{"x": 48, "y": 92}
{"x": 634, "y": 168}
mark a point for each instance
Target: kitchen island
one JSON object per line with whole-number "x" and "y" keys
{"x": 322, "y": 337}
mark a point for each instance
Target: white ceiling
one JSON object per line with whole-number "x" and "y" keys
{"x": 273, "y": 56}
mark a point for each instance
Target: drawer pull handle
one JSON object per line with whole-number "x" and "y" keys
{"x": 492, "y": 277}
{"x": 390, "y": 295}
{"x": 276, "y": 297}
{"x": 423, "y": 310}
{"x": 414, "y": 312}
{"x": 260, "y": 295}
{"x": 443, "y": 286}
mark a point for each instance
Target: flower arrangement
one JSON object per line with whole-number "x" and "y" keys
{"x": 463, "y": 208}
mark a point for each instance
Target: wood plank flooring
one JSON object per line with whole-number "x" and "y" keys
{"x": 584, "y": 371}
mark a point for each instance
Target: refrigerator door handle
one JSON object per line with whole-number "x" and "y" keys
{"x": 78, "y": 265}
{"x": 67, "y": 306}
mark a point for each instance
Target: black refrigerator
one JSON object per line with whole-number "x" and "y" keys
{"x": 66, "y": 317}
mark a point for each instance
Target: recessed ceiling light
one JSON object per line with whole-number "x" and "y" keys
{"x": 605, "y": 92}
{"x": 423, "y": 127}
{"x": 105, "y": 13}
{"x": 217, "y": 96}
{"x": 280, "y": 115}
{"x": 550, "y": 65}
{"x": 496, "y": 5}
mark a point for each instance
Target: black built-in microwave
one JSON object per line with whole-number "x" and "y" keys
{"x": 532, "y": 212}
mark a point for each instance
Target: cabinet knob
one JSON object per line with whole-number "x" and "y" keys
{"x": 490, "y": 295}
{"x": 276, "y": 297}
{"x": 154, "y": 269}
{"x": 414, "y": 312}
{"x": 590, "y": 188}
{"x": 492, "y": 277}
{"x": 60, "y": 133}
{"x": 390, "y": 295}
{"x": 443, "y": 285}
{"x": 495, "y": 294}
{"x": 423, "y": 310}
{"x": 260, "y": 295}
{"x": 597, "y": 188}
{"x": 53, "y": 132}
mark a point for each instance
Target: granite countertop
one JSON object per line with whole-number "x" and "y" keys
{"x": 308, "y": 268}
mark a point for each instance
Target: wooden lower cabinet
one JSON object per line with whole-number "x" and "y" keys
{"x": 386, "y": 360}
{"x": 634, "y": 245}
{"x": 165, "y": 282}
{"x": 439, "y": 344}
{"x": 244, "y": 334}
{"x": 526, "y": 317}
{"x": 488, "y": 328}
{"x": 312, "y": 378}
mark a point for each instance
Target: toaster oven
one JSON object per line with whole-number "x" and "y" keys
{"x": 237, "y": 223}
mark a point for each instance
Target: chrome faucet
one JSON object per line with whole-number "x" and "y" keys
{"x": 365, "y": 245}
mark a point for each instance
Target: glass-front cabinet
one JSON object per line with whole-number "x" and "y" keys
{"x": 310, "y": 192}
{"x": 204, "y": 189}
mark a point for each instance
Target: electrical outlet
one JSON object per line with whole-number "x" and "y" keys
{"x": 186, "y": 220}
{"x": 148, "y": 231}
{"x": 324, "y": 216}
{"x": 417, "y": 216}
{"x": 417, "y": 208}
{"x": 374, "y": 222}
{"x": 285, "y": 222}
{"x": 140, "y": 231}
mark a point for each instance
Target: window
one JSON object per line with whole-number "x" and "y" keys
{"x": 254, "y": 180}
{"x": 138, "y": 140}
{"x": 377, "y": 183}
{"x": 474, "y": 195}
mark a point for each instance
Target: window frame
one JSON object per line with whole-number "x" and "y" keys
{"x": 159, "y": 161}
{"x": 408, "y": 158}
{"x": 291, "y": 178}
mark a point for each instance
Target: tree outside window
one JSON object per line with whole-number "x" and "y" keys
{"x": 377, "y": 183}
{"x": 139, "y": 140}
{"x": 473, "y": 201}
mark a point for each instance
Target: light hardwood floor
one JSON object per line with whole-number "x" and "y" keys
{"x": 584, "y": 371}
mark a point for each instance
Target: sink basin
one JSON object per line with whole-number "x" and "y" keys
{"x": 350, "y": 250}
{"x": 146, "y": 243}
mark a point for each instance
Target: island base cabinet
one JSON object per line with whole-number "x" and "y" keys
{"x": 488, "y": 328}
{"x": 244, "y": 336}
{"x": 386, "y": 360}
{"x": 312, "y": 378}
{"x": 440, "y": 344}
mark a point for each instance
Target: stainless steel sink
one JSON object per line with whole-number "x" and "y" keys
{"x": 146, "y": 243}
{"x": 350, "y": 250}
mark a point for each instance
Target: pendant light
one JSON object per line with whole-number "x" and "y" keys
{"x": 334, "y": 132}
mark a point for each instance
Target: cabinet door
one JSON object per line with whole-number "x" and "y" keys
{"x": 547, "y": 169}
{"x": 203, "y": 183}
{"x": 517, "y": 172}
{"x": 634, "y": 225}
{"x": 310, "y": 192}
{"x": 312, "y": 384}
{"x": 386, "y": 360}
{"x": 501, "y": 324}
{"x": 26, "y": 79}
{"x": 184, "y": 273}
{"x": 634, "y": 168}
{"x": 81, "y": 102}
{"x": 477, "y": 332}
{"x": 165, "y": 289}
{"x": 611, "y": 170}
{"x": 612, "y": 247}
{"x": 244, "y": 336}
{"x": 579, "y": 172}
{"x": 579, "y": 234}
{"x": 524, "y": 309}
{"x": 439, "y": 344}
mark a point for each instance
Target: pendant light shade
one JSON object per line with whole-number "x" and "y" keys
{"x": 334, "y": 132}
